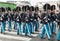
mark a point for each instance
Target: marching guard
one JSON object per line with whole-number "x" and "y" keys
{"x": 36, "y": 16}
{"x": 31, "y": 19}
{"x": 2, "y": 20}
{"x": 53, "y": 19}
{"x": 27, "y": 23}
{"x": 58, "y": 23}
{"x": 9, "y": 19}
{"x": 45, "y": 21}
{"x": 15, "y": 14}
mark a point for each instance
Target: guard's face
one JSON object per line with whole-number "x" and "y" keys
{"x": 28, "y": 11}
{"x": 53, "y": 11}
{"x": 56, "y": 11}
{"x": 48, "y": 11}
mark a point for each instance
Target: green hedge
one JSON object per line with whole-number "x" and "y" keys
{"x": 5, "y": 4}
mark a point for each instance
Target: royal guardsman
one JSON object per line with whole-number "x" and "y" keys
{"x": 2, "y": 20}
{"x": 58, "y": 23}
{"x": 15, "y": 14}
{"x": 23, "y": 15}
{"x": 36, "y": 18}
{"x": 3, "y": 10}
{"x": 18, "y": 20}
{"x": 19, "y": 29}
{"x": 53, "y": 18}
{"x": 9, "y": 18}
{"x": 27, "y": 23}
{"x": 45, "y": 20}
{"x": 31, "y": 19}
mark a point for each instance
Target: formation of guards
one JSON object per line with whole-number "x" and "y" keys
{"x": 27, "y": 20}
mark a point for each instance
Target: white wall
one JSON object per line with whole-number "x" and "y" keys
{"x": 33, "y": 2}
{"x": 29, "y": 0}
